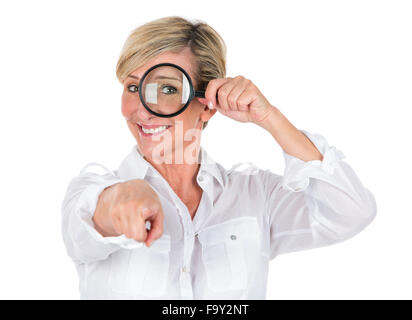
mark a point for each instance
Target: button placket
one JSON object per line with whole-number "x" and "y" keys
{"x": 188, "y": 245}
{"x": 188, "y": 251}
{"x": 186, "y": 286}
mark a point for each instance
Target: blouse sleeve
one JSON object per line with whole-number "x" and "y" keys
{"x": 315, "y": 203}
{"x": 83, "y": 242}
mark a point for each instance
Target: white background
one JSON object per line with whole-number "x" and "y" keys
{"x": 339, "y": 68}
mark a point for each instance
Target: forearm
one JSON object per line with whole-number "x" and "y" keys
{"x": 290, "y": 139}
{"x": 83, "y": 242}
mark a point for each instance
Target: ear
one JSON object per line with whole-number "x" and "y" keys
{"x": 206, "y": 113}
{"x": 202, "y": 100}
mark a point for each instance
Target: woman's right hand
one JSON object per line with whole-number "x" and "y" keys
{"x": 125, "y": 207}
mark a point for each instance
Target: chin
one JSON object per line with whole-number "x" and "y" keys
{"x": 156, "y": 151}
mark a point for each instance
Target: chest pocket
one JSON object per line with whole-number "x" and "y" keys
{"x": 142, "y": 271}
{"x": 229, "y": 253}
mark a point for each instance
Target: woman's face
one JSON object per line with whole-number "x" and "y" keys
{"x": 176, "y": 142}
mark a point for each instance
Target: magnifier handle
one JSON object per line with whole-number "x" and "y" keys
{"x": 201, "y": 94}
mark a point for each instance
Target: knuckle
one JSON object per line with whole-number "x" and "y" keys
{"x": 122, "y": 212}
{"x": 115, "y": 216}
{"x": 210, "y": 86}
{"x": 223, "y": 92}
{"x": 242, "y": 103}
{"x": 121, "y": 207}
{"x": 232, "y": 100}
{"x": 114, "y": 213}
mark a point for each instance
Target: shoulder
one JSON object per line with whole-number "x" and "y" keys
{"x": 248, "y": 176}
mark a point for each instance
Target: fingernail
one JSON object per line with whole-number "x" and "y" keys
{"x": 210, "y": 105}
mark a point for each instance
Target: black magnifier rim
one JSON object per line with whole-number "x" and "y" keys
{"x": 191, "y": 94}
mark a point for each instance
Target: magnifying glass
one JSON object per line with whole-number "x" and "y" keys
{"x": 166, "y": 90}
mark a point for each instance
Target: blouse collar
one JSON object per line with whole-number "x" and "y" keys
{"x": 135, "y": 166}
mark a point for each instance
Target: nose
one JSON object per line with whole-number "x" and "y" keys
{"x": 142, "y": 112}
{"x": 134, "y": 109}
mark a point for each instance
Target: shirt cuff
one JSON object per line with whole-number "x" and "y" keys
{"x": 86, "y": 208}
{"x": 297, "y": 172}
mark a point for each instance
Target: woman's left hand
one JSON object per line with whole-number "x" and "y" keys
{"x": 238, "y": 99}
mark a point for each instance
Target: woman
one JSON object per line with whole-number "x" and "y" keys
{"x": 171, "y": 223}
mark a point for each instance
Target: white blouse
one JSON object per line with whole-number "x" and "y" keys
{"x": 245, "y": 219}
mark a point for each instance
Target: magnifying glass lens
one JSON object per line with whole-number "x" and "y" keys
{"x": 165, "y": 90}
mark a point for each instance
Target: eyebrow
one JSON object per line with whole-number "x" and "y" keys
{"x": 158, "y": 77}
{"x": 170, "y": 78}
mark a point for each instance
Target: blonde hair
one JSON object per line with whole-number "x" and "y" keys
{"x": 174, "y": 34}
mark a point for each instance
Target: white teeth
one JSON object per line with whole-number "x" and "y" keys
{"x": 154, "y": 130}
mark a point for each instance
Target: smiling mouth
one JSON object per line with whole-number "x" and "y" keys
{"x": 152, "y": 131}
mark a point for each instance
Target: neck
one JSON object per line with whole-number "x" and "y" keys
{"x": 180, "y": 176}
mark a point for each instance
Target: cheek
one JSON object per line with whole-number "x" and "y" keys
{"x": 191, "y": 116}
{"x": 127, "y": 105}
{"x": 130, "y": 126}
{"x": 184, "y": 120}
{"x": 189, "y": 120}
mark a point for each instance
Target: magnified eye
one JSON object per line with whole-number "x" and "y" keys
{"x": 169, "y": 90}
{"x": 132, "y": 88}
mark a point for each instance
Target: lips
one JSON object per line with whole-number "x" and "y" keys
{"x": 151, "y": 129}
{"x": 151, "y": 126}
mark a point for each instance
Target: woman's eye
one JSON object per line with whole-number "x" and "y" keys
{"x": 169, "y": 90}
{"x": 132, "y": 88}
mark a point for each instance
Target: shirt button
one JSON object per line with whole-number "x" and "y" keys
{"x": 184, "y": 269}
{"x": 233, "y": 237}
{"x": 200, "y": 178}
